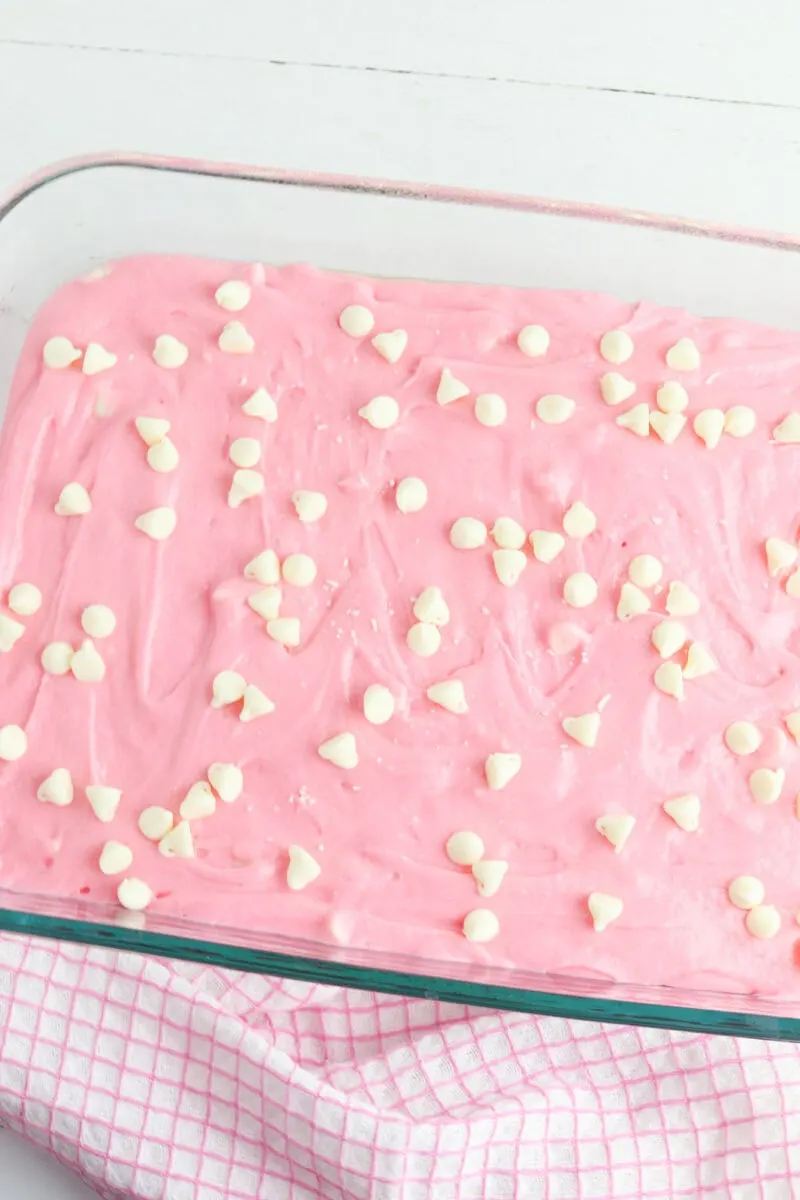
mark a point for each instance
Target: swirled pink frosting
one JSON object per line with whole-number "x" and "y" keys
{"x": 378, "y": 831}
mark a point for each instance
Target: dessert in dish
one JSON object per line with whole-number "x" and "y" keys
{"x": 455, "y": 620}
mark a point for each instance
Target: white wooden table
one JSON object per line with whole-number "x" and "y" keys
{"x": 684, "y": 106}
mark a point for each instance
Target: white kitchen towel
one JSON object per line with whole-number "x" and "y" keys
{"x": 171, "y": 1081}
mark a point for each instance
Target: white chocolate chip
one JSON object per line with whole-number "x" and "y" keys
{"x": 579, "y": 520}
{"x": 743, "y": 738}
{"x": 169, "y": 353}
{"x": 163, "y": 456}
{"x": 135, "y": 895}
{"x": 672, "y": 397}
{"x": 699, "y": 661}
{"x": 267, "y": 602}
{"x": 411, "y": 495}
{"x": 423, "y": 639}
{"x": 681, "y": 601}
{"x": 709, "y": 425}
{"x": 431, "y": 606}
{"x": 763, "y": 921}
{"x": 632, "y": 602}
{"x": 10, "y": 633}
{"x": 501, "y": 768}
{"x": 583, "y": 729}
{"x": 378, "y": 704}
{"x": 533, "y": 340}
{"x": 158, "y": 523}
{"x": 481, "y": 925}
{"x": 13, "y": 742}
{"x": 464, "y": 848}
{"x": 227, "y": 688}
{"x": 667, "y": 425}
{"x": 554, "y": 409}
{"x": 178, "y": 843}
{"x": 340, "y": 750}
{"x": 683, "y": 356}
{"x": 637, "y": 419}
{"x": 235, "y": 339}
{"x": 603, "y": 909}
{"x": 669, "y": 637}
{"x": 684, "y": 811}
{"x": 645, "y": 570}
{"x": 780, "y": 555}
{"x": 381, "y": 413}
{"x": 264, "y": 568}
{"x": 155, "y": 821}
{"x": 152, "y": 430}
{"x": 98, "y": 620}
{"x": 233, "y": 295}
{"x": 59, "y": 352}
{"x": 74, "y": 501}
{"x": 299, "y": 570}
{"x": 792, "y": 721}
{"x": 261, "y": 404}
{"x": 57, "y": 658}
{"x": 87, "y": 664}
{"x": 97, "y": 359}
{"x": 616, "y": 828}
{"x": 740, "y": 421}
{"x": 616, "y": 346}
{"x": 356, "y": 320}
{"x": 256, "y": 704}
{"x": 303, "y": 869}
{"x": 508, "y": 534}
{"x": 115, "y": 857}
{"x": 509, "y": 565}
{"x": 546, "y": 545}
{"x": 245, "y": 451}
{"x": 391, "y": 345}
{"x": 246, "y": 484}
{"x": 489, "y": 874}
{"x": 24, "y": 599}
{"x": 490, "y": 409}
{"x": 57, "y": 788}
{"x": 745, "y": 891}
{"x": 468, "y": 533}
{"x": 199, "y": 802}
{"x": 450, "y": 695}
{"x": 615, "y": 388}
{"x": 227, "y": 781}
{"x": 787, "y": 431}
{"x": 285, "y": 630}
{"x": 669, "y": 680}
{"x": 104, "y": 801}
{"x": 580, "y": 589}
{"x": 766, "y": 785}
{"x": 792, "y": 584}
{"x": 311, "y": 506}
{"x": 450, "y": 388}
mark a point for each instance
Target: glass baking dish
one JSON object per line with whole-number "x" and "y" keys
{"x": 79, "y": 214}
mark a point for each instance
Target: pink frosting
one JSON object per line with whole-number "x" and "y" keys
{"x": 378, "y": 831}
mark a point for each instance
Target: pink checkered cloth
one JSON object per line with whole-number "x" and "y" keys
{"x": 178, "y": 1082}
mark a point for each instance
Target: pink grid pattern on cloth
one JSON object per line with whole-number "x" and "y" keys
{"x": 179, "y": 1082}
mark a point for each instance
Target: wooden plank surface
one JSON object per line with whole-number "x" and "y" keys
{"x": 737, "y": 162}
{"x": 715, "y": 49}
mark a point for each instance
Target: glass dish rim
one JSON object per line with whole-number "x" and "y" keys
{"x": 397, "y": 189}
{"x": 325, "y": 964}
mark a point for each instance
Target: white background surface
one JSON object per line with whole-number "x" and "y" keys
{"x": 691, "y": 106}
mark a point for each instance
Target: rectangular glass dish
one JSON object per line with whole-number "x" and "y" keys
{"x": 77, "y": 216}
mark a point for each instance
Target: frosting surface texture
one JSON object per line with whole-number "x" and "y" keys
{"x": 288, "y": 434}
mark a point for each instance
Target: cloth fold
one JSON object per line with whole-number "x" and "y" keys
{"x": 172, "y": 1081}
